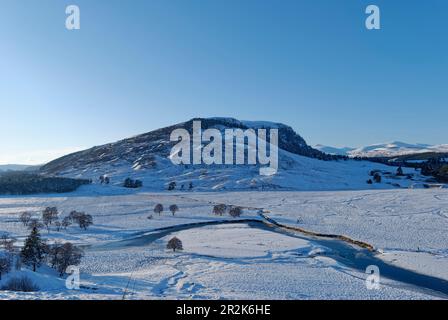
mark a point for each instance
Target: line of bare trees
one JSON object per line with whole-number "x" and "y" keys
{"x": 233, "y": 211}
{"x": 158, "y": 209}
{"x": 51, "y": 217}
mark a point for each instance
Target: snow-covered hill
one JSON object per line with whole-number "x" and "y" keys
{"x": 146, "y": 157}
{"x": 391, "y": 149}
{"x": 144, "y": 151}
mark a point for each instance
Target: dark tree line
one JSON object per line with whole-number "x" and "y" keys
{"x": 20, "y": 183}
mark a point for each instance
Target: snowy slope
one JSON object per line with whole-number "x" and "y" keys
{"x": 295, "y": 173}
{"x": 143, "y": 151}
{"x": 146, "y": 157}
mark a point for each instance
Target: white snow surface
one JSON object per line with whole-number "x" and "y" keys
{"x": 236, "y": 261}
{"x": 294, "y": 173}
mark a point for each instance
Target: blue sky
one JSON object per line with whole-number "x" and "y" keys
{"x": 139, "y": 65}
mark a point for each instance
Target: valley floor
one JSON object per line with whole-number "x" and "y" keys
{"x": 125, "y": 255}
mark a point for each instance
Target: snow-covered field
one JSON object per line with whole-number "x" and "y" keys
{"x": 295, "y": 173}
{"x": 126, "y": 257}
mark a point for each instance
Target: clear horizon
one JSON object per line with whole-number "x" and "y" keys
{"x": 135, "y": 68}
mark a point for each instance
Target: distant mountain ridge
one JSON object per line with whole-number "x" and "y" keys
{"x": 391, "y": 149}
{"x": 343, "y": 151}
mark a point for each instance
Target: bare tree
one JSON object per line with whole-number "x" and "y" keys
{"x": 174, "y": 244}
{"x": 53, "y": 251}
{"x": 158, "y": 208}
{"x": 74, "y": 216}
{"x": 25, "y": 218}
{"x": 174, "y": 208}
{"x": 66, "y": 222}
{"x": 85, "y": 221}
{"x": 82, "y": 219}
{"x": 62, "y": 256}
{"x": 219, "y": 209}
{"x": 49, "y": 215}
{"x": 235, "y": 212}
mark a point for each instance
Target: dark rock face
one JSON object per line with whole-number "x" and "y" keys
{"x": 143, "y": 148}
